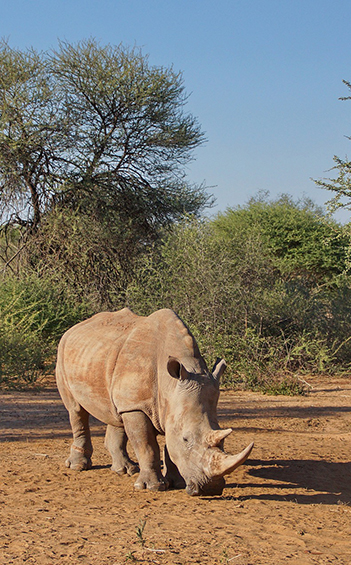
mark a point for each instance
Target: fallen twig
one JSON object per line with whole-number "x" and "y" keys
{"x": 304, "y": 382}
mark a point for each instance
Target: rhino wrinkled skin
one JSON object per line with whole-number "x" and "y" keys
{"x": 144, "y": 376}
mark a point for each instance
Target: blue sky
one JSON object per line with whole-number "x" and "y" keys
{"x": 264, "y": 78}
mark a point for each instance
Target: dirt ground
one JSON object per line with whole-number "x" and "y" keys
{"x": 290, "y": 502}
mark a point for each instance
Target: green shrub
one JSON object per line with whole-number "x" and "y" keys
{"x": 269, "y": 325}
{"x": 33, "y": 316}
{"x": 266, "y": 287}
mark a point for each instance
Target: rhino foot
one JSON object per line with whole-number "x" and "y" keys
{"x": 77, "y": 460}
{"x": 129, "y": 468}
{"x": 83, "y": 465}
{"x": 152, "y": 486}
{"x": 151, "y": 482}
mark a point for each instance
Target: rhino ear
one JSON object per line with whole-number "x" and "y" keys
{"x": 218, "y": 368}
{"x": 176, "y": 369}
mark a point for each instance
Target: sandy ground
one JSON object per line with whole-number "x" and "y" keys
{"x": 290, "y": 503}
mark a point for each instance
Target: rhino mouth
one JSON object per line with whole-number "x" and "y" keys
{"x": 212, "y": 488}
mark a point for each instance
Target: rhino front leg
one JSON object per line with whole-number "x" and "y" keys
{"x": 81, "y": 449}
{"x": 116, "y": 443}
{"x": 172, "y": 475}
{"x": 142, "y": 436}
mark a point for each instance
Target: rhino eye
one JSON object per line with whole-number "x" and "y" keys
{"x": 185, "y": 439}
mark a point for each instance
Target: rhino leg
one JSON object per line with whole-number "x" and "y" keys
{"x": 142, "y": 436}
{"x": 116, "y": 443}
{"x": 81, "y": 449}
{"x": 172, "y": 475}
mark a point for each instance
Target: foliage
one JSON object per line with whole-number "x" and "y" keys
{"x": 130, "y": 136}
{"x": 341, "y": 185}
{"x": 140, "y": 533}
{"x": 89, "y": 257}
{"x": 34, "y": 314}
{"x": 31, "y": 135}
{"x": 302, "y": 241}
{"x": 96, "y": 212}
{"x": 94, "y": 131}
{"x": 272, "y": 314}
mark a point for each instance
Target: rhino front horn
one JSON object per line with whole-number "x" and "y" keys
{"x": 223, "y": 464}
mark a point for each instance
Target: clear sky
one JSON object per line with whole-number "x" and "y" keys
{"x": 264, "y": 78}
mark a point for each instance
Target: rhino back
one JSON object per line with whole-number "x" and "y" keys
{"x": 86, "y": 361}
{"x": 117, "y": 362}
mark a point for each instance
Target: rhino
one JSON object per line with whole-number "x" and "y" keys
{"x": 144, "y": 377}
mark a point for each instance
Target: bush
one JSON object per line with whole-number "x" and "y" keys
{"x": 269, "y": 324}
{"x": 33, "y": 316}
{"x": 273, "y": 312}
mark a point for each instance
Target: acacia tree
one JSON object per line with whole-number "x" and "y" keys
{"x": 31, "y": 134}
{"x": 97, "y": 131}
{"x": 130, "y": 137}
{"x": 341, "y": 185}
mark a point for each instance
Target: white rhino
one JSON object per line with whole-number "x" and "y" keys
{"x": 144, "y": 376}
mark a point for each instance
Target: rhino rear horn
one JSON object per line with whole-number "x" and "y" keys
{"x": 215, "y": 437}
{"x": 218, "y": 368}
{"x": 223, "y": 464}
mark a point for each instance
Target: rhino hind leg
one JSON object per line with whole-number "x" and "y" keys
{"x": 116, "y": 443}
{"x": 142, "y": 436}
{"x": 81, "y": 449}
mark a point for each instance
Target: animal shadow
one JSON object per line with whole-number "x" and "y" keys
{"x": 324, "y": 482}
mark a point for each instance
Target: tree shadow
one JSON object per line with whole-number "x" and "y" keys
{"x": 324, "y": 482}
{"x": 228, "y": 410}
{"x": 33, "y": 416}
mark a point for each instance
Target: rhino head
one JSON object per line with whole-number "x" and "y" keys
{"x": 194, "y": 455}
